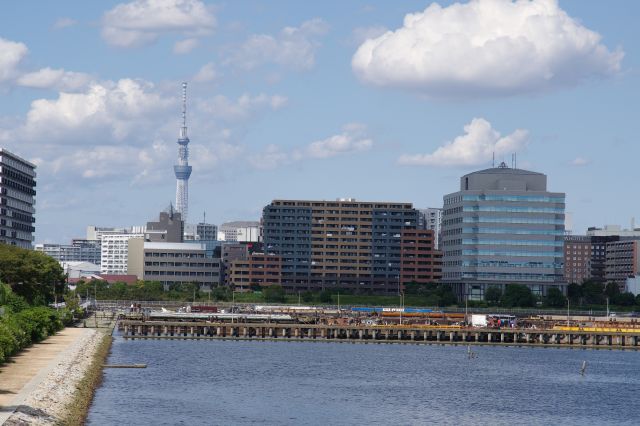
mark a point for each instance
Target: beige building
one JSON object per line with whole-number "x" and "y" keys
{"x": 173, "y": 263}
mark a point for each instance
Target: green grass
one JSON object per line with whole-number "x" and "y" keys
{"x": 77, "y": 410}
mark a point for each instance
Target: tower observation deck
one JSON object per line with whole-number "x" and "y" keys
{"x": 183, "y": 169}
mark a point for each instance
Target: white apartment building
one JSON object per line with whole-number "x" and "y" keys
{"x": 239, "y": 231}
{"x": 115, "y": 252}
{"x": 431, "y": 218}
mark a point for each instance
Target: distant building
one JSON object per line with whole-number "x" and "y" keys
{"x": 258, "y": 269}
{"x": 17, "y": 200}
{"x": 168, "y": 229}
{"x": 431, "y": 218}
{"x": 206, "y": 231}
{"x": 243, "y": 231}
{"x": 345, "y": 243}
{"x": 585, "y": 257}
{"x": 577, "y": 258}
{"x": 74, "y": 269}
{"x": 420, "y": 262}
{"x": 173, "y": 263}
{"x": 78, "y": 251}
{"x": 96, "y": 232}
{"x": 632, "y": 285}
{"x": 115, "y": 252}
{"x": 613, "y": 230}
{"x": 503, "y": 227}
{"x": 623, "y": 261}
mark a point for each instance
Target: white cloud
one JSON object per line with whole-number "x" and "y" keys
{"x": 64, "y": 23}
{"x": 580, "y": 161}
{"x": 206, "y": 74}
{"x": 107, "y": 110}
{"x": 293, "y": 47}
{"x": 486, "y": 47}
{"x": 11, "y": 54}
{"x": 477, "y": 146}
{"x": 352, "y": 140}
{"x": 141, "y": 22}
{"x": 58, "y": 79}
{"x": 224, "y": 108}
{"x": 185, "y": 46}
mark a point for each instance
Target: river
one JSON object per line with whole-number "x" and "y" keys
{"x": 280, "y": 383}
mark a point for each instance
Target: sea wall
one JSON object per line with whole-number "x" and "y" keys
{"x": 65, "y": 386}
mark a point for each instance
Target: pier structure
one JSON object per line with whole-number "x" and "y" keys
{"x": 611, "y": 338}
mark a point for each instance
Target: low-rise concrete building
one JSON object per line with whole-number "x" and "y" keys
{"x": 173, "y": 263}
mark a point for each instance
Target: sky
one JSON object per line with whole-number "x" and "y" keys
{"x": 373, "y": 100}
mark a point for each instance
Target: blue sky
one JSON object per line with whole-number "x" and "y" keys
{"x": 315, "y": 100}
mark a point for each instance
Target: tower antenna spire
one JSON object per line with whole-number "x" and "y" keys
{"x": 183, "y": 169}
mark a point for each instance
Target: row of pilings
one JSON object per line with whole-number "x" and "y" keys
{"x": 132, "y": 329}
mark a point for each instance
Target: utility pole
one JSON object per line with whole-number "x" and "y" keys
{"x": 568, "y": 303}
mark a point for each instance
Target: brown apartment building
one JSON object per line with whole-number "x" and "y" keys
{"x": 257, "y": 269}
{"x": 343, "y": 244}
{"x": 577, "y": 258}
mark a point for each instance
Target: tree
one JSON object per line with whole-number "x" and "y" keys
{"x": 593, "y": 292}
{"x": 31, "y": 274}
{"x": 612, "y": 290}
{"x": 517, "y": 295}
{"x": 307, "y": 297}
{"x": 273, "y": 294}
{"x": 493, "y": 295}
{"x": 624, "y": 299}
{"x": 574, "y": 291}
{"x": 325, "y": 296}
{"x": 555, "y": 298}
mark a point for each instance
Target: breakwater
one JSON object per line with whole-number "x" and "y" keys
{"x": 613, "y": 338}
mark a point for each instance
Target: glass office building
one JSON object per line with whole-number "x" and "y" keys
{"x": 503, "y": 227}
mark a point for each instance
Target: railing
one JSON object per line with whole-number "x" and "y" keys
{"x": 507, "y": 311}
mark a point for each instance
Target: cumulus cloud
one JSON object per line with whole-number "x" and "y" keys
{"x": 11, "y": 54}
{"x": 58, "y": 79}
{"x": 206, "y": 74}
{"x": 107, "y": 110}
{"x": 486, "y": 48}
{"x": 476, "y": 146}
{"x": 293, "y": 47}
{"x": 580, "y": 161}
{"x": 353, "y": 139}
{"x": 64, "y": 23}
{"x": 185, "y": 46}
{"x": 141, "y": 22}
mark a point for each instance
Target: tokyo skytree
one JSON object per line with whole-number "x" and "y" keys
{"x": 183, "y": 169}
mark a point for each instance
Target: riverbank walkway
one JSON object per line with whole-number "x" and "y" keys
{"x": 22, "y": 374}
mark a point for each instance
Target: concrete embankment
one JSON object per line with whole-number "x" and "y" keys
{"x": 52, "y": 382}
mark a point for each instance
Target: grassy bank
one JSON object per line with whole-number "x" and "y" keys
{"x": 77, "y": 410}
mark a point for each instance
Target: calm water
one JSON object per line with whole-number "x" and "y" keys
{"x": 271, "y": 383}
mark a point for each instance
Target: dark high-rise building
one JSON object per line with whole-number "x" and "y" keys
{"x": 17, "y": 200}
{"x": 342, "y": 244}
{"x": 503, "y": 227}
{"x": 168, "y": 229}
